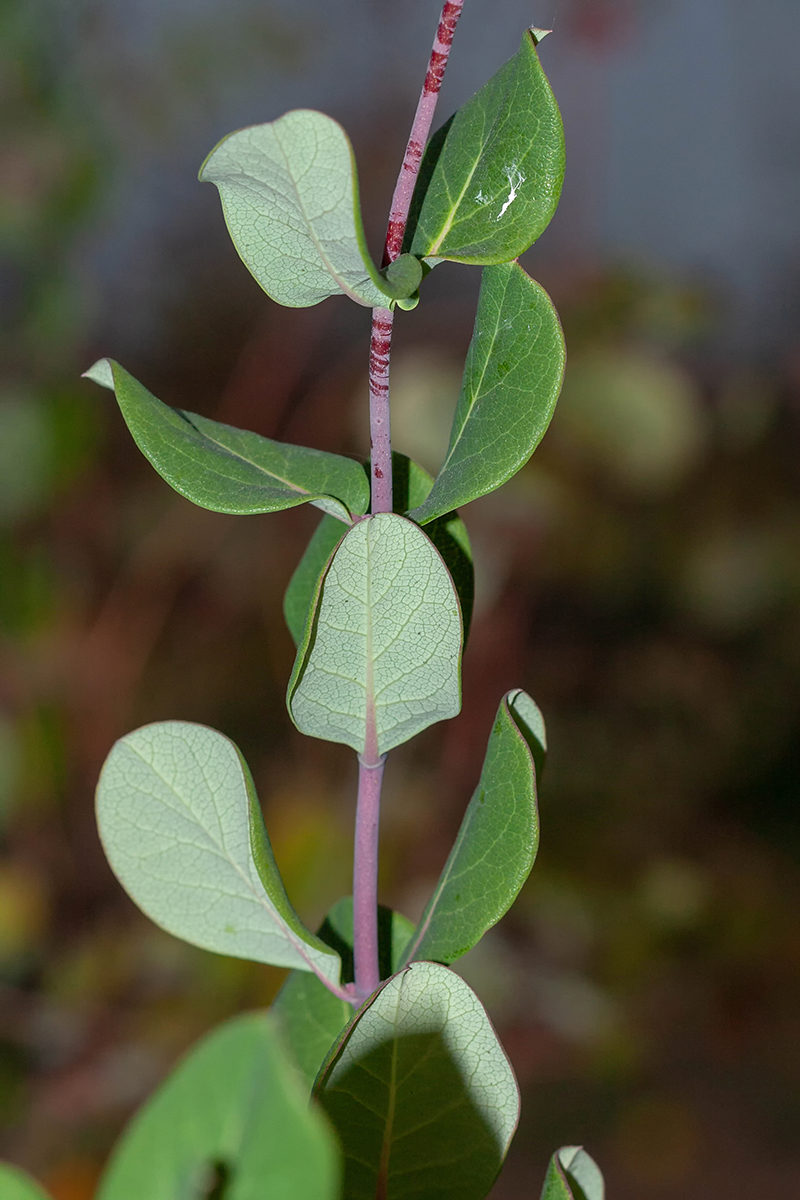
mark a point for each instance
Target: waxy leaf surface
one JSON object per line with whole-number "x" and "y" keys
{"x": 420, "y": 1092}
{"x": 512, "y": 378}
{"x": 181, "y": 825}
{"x": 290, "y": 197}
{"x": 231, "y": 470}
{"x": 496, "y": 844}
{"x": 380, "y": 657}
{"x": 232, "y": 1120}
{"x": 573, "y": 1175}
{"x": 491, "y": 177}
{"x": 18, "y": 1185}
{"x": 448, "y": 533}
{"x": 309, "y": 1016}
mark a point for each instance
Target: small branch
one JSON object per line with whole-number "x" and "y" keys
{"x": 365, "y": 878}
{"x": 420, "y": 130}
{"x": 370, "y": 772}
{"x": 380, "y": 436}
{"x": 381, "y": 341}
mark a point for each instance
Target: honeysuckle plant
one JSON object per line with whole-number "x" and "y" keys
{"x": 376, "y": 1075}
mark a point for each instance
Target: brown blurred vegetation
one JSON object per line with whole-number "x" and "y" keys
{"x": 641, "y": 578}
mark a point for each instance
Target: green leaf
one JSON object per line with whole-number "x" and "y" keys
{"x": 491, "y": 178}
{"x": 512, "y": 378}
{"x": 448, "y": 533}
{"x": 381, "y": 652}
{"x": 18, "y": 1185}
{"x": 181, "y": 826}
{"x": 232, "y": 1113}
{"x": 420, "y": 1092}
{"x": 573, "y": 1175}
{"x": 306, "y": 578}
{"x": 309, "y": 1016}
{"x": 289, "y": 193}
{"x": 230, "y": 470}
{"x": 496, "y": 845}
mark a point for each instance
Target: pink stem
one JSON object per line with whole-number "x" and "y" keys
{"x": 370, "y": 772}
{"x": 365, "y": 878}
{"x": 421, "y": 128}
{"x": 380, "y": 345}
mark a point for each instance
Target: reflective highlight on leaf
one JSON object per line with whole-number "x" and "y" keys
{"x": 512, "y": 378}
{"x": 181, "y": 826}
{"x": 420, "y": 1092}
{"x": 491, "y": 177}
{"x": 231, "y": 470}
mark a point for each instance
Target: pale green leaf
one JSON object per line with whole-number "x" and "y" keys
{"x": 411, "y": 485}
{"x": 512, "y": 378}
{"x": 181, "y": 826}
{"x": 380, "y": 657}
{"x": 496, "y": 845}
{"x": 290, "y": 197}
{"x": 491, "y": 177}
{"x": 232, "y": 1113}
{"x": 309, "y": 1016}
{"x": 230, "y": 470}
{"x": 18, "y": 1185}
{"x": 420, "y": 1092}
{"x": 573, "y": 1175}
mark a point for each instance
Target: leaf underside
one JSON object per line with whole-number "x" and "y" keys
{"x": 235, "y": 1110}
{"x": 231, "y": 470}
{"x": 448, "y": 534}
{"x": 496, "y": 845}
{"x": 491, "y": 178}
{"x": 512, "y": 377}
{"x": 290, "y": 197}
{"x": 380, "y": 655}
{"x": 420, "y": 1092}
{"x": 182, "y": 829}
{"x": 573, "y": 1175}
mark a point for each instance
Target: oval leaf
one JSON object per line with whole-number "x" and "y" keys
{"x": 232, "y": 1113}
{"x": 411, "y": 484}
{"x": 289, "y": 193}
{"x": 573, "y": 1175}
{"x": 230, "y": 470}
{"x": 18, "y": 1185}
{"x": 496, "y": 844}
{"x": 181, "y": 826}
{"x": 420, "y": 1092}
{"x": 309, "y": 1017}
{"x": 512, "y": 377}
{"x": 381, "y": 653}
{"x": 491, "y": 178}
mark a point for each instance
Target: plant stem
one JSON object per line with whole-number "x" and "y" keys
{"x": 382, "y": 318}
{"x": 365, "y": 878}
{"x": 370, "y": 773}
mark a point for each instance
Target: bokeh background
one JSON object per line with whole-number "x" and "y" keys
{"x": 640, "y": 577}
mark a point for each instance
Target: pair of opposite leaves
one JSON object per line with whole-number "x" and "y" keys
{"x": 267, "y": 176}
{"x": 488, "y": 186}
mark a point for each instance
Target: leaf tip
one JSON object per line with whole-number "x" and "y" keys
{"x": 538, "y": 35}
{"x": 100, "y": 372}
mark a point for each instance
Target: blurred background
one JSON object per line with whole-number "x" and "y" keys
{"x": 640, "y": 577}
